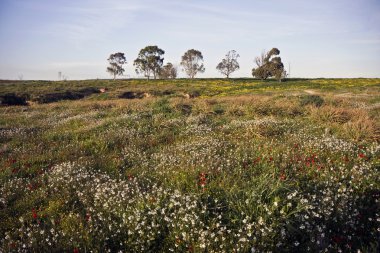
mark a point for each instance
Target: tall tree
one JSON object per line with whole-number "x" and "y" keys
{"x": 229, "y": 64}
{"x": 192, "y": 62}
{"x": 149, "y": 61}
{"x": 168, "y": 71}
{"x": 269, "y": 65}
{"x": 116, "y": 61}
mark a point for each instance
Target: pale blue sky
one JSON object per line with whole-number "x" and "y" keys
{"x": 324, "y": 38}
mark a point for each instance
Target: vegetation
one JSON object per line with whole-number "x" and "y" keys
{"x": 312, "y": 100}
{"x": 192, "y": 62}
{"x": 241, "y": 165}
{"x": 149, "y": 61}
{"x": 116, "y": 61}
{"x": 168, "y": 71}
{"x": 229, "y": 64}
{"x": 269, "y": 65}
{"x": 12, "y": 99}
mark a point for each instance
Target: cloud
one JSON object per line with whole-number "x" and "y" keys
{"x": 79, "y": 24}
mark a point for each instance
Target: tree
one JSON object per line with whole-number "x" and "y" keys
{"x": 269, "y": 65}
{"x": 168, "y": 71}
{"x": 192, "y": 62}
{"x": 229, "y": 64}
{"x": 116, "y": 60}
{"x": 149, "y": 61}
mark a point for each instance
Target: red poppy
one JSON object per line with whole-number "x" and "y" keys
{"x": 202, "y": 180}
{"x": 34, "y": 214}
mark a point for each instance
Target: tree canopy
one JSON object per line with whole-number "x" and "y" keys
{"x": 269, "y": 65}
{"x": 168, "y": 71}
{"x": 149, "y": 61}
{"x": 229, "y": 64}
{"x": 192, "y": 62}
{"x": 116, "y": 61}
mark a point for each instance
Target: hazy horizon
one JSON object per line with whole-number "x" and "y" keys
{"x": 324, "y": 39}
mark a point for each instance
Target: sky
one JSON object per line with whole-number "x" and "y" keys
{"x": 324, "y": 38}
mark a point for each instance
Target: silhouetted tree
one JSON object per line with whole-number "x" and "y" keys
{"x": 192, "y": 62}
{"x": 116, "y": 60}
{"x": 149, "y": 61}
{"x": 269, "y": 65}
{"x": 229, "y": 64}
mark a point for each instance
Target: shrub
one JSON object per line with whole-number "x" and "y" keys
{"x": 194, "y": 94}
{"x": 162, "y": 106}
{"x": 185, "y": 109}
{"x": 67, "y": 95}
{"x": 132, "y": 95}
{"x": 218, "y": 109}
{"x": 162, "y": 92}
{"x": 314, "y": 100}
{"x": 13, "y": 99}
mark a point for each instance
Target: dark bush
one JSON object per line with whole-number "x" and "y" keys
{"x": 185, "y": 109}
{"x": 160, "y": 93}
{"x": 13, "y": 99}
{"x": 218, "y": 109}
{"x": 312, "y": 100}
{"x": 89, "y": 91}
{"x": 67, "y": 95}
{"x": 55, "y": 97}
{"x": 194, "y": 94}
{"x": 132, "y": 95}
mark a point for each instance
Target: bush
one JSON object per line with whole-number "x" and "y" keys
{"x": 194, "y": 93}
{"x": 314, "y": 100}
{"x": 13, "y": 99}
{"x": 185, "y": 109}
{"x": 67, "y": 95}
{"x": 132, "y": 95}
{"x": 160, "y": 93}
{"x": 162, "y": 106}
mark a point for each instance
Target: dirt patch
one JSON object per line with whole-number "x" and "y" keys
{"x": 311, "y": 92}
{"x": 191, "y": 94}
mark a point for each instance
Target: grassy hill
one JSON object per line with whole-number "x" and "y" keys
{"x": 203, "y": 165}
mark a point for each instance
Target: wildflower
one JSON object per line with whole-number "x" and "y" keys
{"x": 34, "y": 214}
{"x": 202, "y": 180}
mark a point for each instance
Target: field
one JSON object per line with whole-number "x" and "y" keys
{"x": 203, "y": 165}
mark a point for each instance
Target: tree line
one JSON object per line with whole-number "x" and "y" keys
{"x": 150, "y": 63}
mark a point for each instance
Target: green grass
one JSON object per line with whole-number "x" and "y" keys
{"x": 248, "y": 165}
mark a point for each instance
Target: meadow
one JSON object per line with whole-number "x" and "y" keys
{"x": 201, "y": 165}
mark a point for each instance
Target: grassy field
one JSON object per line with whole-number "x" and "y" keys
{"x": 204, "y": 165}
